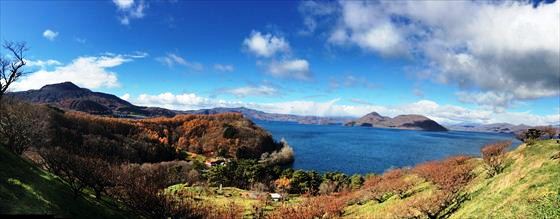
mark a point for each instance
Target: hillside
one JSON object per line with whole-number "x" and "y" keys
{"x": 413, "y": 122}
{"x": 457, "y": 187}
{"x": 26, "y": 189}
{"x": 260, "y": 115}
{"x": 529, "y": 187}
{"x": 69, "y": 96}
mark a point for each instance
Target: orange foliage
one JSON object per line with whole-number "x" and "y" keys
{"x": 196, "y": 133}
{"x": 493, "y": 156}
{"x": 282, "y": 184}
{"x": 314, "y": 207}
{"x": 393, "y": 182}
{"x": 450, "y": 174}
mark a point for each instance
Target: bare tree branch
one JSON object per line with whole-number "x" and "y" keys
{"x": 11, "y": 69}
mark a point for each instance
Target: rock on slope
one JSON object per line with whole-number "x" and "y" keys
{"x": 413, "y": 122}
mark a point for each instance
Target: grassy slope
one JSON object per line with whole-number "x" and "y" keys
{"x": 529, "y": 187}
{"x": 26, "y": 189}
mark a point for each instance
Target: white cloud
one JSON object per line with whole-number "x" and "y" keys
{"x": 129, "y": 10}
{"x": 364, "y": 25}
{"x": 123, "y": 4}
{"x": 172, "y": 59}
{"x": 313, "y": 12}
{"x": 296, "y": 69}
{"x": 125, "y": 96}
{"x": 50, "y": 34}
{"x": 448, "y": 114}
{"x": 498, "y": 101}
{"x": 262, "y": 90}
{"x": 506, "y": 50}
{"x": 265, "y": 45}
{"x": 87, "y": 71}
{"x": 224, "y": 67}
{"x": 42, "y": 63}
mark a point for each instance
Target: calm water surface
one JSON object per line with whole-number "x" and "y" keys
{"x": 365, "y": 150}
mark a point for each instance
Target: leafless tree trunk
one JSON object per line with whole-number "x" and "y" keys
{"x": 11, "y": 68}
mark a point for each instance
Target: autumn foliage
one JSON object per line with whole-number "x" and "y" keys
{"x": 392, "y": 182}
{"x": 312, "y": 207}
{"x": 493, "y": 156}
{"x": 450, "y": 174}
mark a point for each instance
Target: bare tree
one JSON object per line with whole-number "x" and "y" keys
{"x": 22, "y": 125}
{"x": 11, "y": 68}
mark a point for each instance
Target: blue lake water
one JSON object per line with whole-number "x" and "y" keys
{"x": 373, "y": 150}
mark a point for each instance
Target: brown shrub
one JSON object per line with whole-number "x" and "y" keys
{"x": 450, "y": 174}
{"x": 431, "y": 207}
{"x": 493, "y": 156}
{"x": 392, "y": 182}
{"x": 313, "y": 207}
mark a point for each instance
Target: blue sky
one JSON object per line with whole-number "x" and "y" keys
{"x": 303, "y": 57}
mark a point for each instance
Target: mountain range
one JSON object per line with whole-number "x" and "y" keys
{"x": 69, "y": 96}
{"x": 412, "y": 122}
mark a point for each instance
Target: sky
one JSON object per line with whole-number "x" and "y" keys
{"x": 453, "y": 61}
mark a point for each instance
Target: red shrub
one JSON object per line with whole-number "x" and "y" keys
{"x": 380, "y": 188}
{"x": 313, "y": 207}
{"x": 450, "y": 174}
{"x": 493, "y": 156}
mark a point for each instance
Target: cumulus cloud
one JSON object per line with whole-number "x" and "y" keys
{"x": 508, "y": 51}
{"x": 50, "y": 34}
{"x": 123, "y": 4}
{"x": 295, "y": 68}
{"x": 87, "y": 71}
{"x": 42, "y": 63}
{"x": 224, "y": 67}
{"x": 447, "y": 114}
{"x": 261, "y": 90}
{"x": 313, "y": 12}
{"x": 172, "y": 59}
{"x": 129, "y": 10}
{"x": 364, "y": 24}
{"x": 265, "y": 45}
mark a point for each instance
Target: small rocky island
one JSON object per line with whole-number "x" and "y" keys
{"x": 411, "y": 122}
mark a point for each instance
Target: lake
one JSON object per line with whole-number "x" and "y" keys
{"x": 373, "y": 150}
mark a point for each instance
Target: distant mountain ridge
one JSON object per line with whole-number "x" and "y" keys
{"x": 412, "y": 122}
{"x": 494, "y": 127}
{"x": 260, "y": 115}
{"x": 69, "y": 96}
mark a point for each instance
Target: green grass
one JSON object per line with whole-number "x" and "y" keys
{"x": 529, "y": 186}
{"x": 26, "y": 189}
{"x": 244, "y": 198}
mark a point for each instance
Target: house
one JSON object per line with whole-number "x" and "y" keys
{"x": 215, "y": 162}
{"x": 275, "y": 196}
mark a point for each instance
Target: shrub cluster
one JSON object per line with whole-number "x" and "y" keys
{"x": 493, "y": 156}
{"x": 392, "y": 182}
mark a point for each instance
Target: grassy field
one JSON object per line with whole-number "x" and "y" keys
{"x": 243, "y": 198}
{"x": 26, "y": 189}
